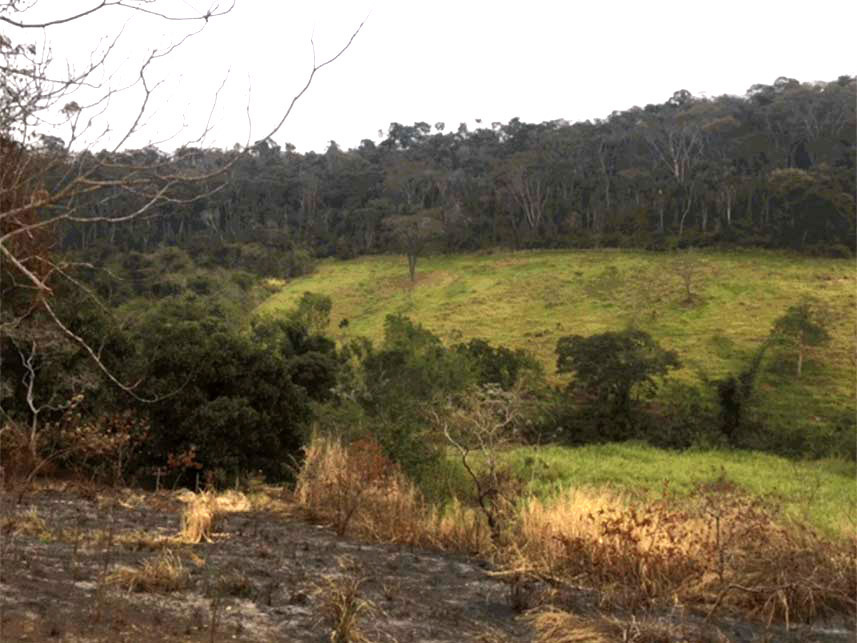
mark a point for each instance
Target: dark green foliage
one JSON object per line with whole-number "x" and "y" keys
{"x": 315, "y": 373}
{"x": 498, "y": 365}
{"x": 244, "y": 280}
{"x": 413, "y": 364}
{"x": 313, "y": 312}
{"x": 609, "y": 367}
{"x": 390, "y": 391}
{"x": 226, "y": 396}
{"x": 201, "y": 285}
{"x": 800, "y": 328}
{"x": 750, "y": 174}
{"x": 311, "y": 358}
{"x": 735, "y": 393}
{"x": 798, "y": 441}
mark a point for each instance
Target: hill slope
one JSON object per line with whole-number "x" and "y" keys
{"x": 530, "y": 299}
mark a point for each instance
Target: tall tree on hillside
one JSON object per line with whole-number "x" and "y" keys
{"x": 801, "y": 328}
{"x": 413, "y": 233}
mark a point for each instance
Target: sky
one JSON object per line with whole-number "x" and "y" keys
{"x": 442, "y": 61}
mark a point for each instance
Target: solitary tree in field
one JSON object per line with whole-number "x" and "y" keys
{"x": 688, "y": 267}
{"x": 801, "y": 328}
{"x": 414, "y": 232}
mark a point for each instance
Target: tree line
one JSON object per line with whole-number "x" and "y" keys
{"x": 773, "y": 168}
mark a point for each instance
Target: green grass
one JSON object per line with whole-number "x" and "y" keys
{"x": 530, "y": 299}
{"x": 824, "y": 493}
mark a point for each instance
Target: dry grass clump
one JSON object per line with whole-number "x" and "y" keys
{"x": 341, "y": 605}
{"x": 339, "y": 484}
{"x": 356, "y": 489}
{"x": 556, "y": 626}
{"x": 199, "y": 517}
{"x": 552, "y": 625}
{"x": 132, "y": 540}
{"x": 727, "y": 552}
{"x": 26, "y": 523}
{"x": 162, "y": 574}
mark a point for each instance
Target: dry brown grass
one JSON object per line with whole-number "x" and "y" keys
{"x": 202, "y": 510}
{"x": 162, "y": 574}
{"x": 723, "y": 553}
{"x": 557, "y": 626}
{"x": 25, "y": 523}
{"x": 553, "y": 625}
{"x": 356, "y": 490}
{"x": 728, "y": 552}
{"x": 341, "y": 605}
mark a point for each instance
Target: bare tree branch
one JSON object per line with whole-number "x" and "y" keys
{"x": 124, "y": 4}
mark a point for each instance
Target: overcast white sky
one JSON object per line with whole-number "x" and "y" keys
{"x": 456, "y": 61}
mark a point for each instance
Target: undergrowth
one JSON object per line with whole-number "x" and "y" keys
{"x": 724, "y": 552}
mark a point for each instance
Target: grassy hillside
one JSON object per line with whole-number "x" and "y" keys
{"x": 822, "y": 493}
{"x": 529, "y": 299}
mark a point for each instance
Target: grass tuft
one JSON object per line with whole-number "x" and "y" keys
{"x": 162, "y": 574}
{"x": 341, "y": 605}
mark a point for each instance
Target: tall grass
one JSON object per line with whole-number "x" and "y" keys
{"x": 822, "y": 492}
{"x": 723, "y": 551}
{"x": 356, "y": 490}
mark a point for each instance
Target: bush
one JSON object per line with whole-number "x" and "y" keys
{"x": 201, "y": 285}
{"x": 225, "y": 398}
{"x": 166, "y": 287}
{"x": 244, "y": 280}
{"x": 498, "y": 365}
{"x": 609, "y": 366}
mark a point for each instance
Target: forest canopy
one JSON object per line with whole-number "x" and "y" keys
{"x": 774, "y": 168}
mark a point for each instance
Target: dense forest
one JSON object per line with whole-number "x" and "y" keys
{"x": 774, "y": 168}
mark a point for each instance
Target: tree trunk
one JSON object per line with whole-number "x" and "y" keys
{"x": 800, "y": 347}
{"x": 412, "y": 267}
{"x": 684, "y": 214}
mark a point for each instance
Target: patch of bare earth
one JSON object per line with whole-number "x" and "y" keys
{"x": 86, "y": 567}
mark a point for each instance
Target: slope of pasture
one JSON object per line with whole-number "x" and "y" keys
{"x": 530, "y": 299}
{"x": 821, "y": 493}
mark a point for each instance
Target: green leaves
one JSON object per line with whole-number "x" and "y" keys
{"x": 610, "y": 366}
{"x": 801, "y": 324}
{"x": 801, "y": 327}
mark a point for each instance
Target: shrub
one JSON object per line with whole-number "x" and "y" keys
{"x": 609, "y": 366}
{"x": 201, "y": 285}
{"x": 498, "y": 365}
{"x": 231, "y": 399}
{"x": 313, "y": 313}
{"x": 244, "y": 280}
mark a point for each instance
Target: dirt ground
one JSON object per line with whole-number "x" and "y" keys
{"x": 266, "y": 576}
{"x": 263, "y": 578}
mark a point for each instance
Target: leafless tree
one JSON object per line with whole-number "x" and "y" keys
{"x": 529, "y": 191}
{"x": 486, "y": 421}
